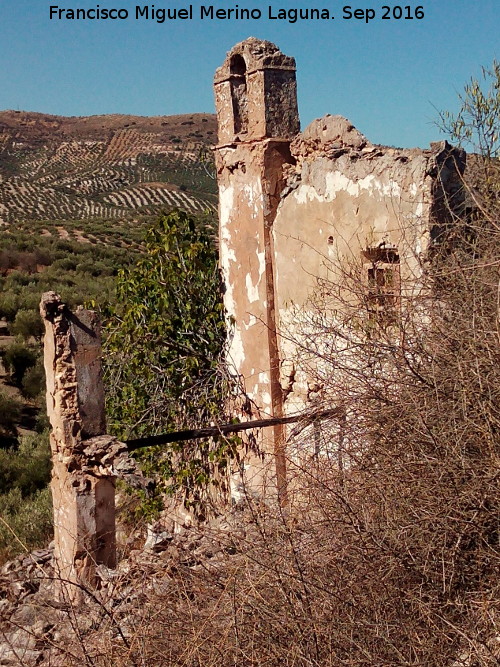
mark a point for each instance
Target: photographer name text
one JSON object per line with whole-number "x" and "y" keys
{"x": 217, "y": 13}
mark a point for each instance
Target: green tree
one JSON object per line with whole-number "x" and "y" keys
{"x": 476, "y": 126}
{"x": 18, "y": 358}
{"x": 27, "y": 324}
{"x": 26, "y": 467}
{"x": 10, "y": 413}
{"x": 33, "y": 383}
{"x": 163, "y": 350}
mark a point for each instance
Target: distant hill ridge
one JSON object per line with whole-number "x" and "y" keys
{"x": 108, "y": 166}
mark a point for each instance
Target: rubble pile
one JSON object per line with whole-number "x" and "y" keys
{"x": 38, "y": 629}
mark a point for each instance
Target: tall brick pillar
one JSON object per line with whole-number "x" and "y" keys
{"x": 256, "y": 101}
{"x": 83, "y": 498}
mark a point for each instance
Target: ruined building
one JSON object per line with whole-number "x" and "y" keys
{"x": 301, "y": 215}
{"x": 296, "y": 208}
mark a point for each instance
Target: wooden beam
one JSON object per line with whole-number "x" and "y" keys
{"x": 225, "y": 429}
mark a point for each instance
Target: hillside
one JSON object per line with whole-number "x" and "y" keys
{"x": 76, "y": 197}
{"x": 79, "y": 168}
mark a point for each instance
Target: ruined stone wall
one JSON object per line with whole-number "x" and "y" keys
{"x": 296, "y": 209}
{"x": 82, "y": 493}
{"x": 347, "y": 200}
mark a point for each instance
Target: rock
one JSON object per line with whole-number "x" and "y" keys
{"x": 24, "y": 615}
{"x": 157, "y": 539}
{"x": 14, "y": 656}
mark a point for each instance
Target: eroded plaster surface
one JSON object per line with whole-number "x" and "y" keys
{"x": 82, "y": 492}
{"x": 344, "y": 199}
{"x": 300, "y": 210}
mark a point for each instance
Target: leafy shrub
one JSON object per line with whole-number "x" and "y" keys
{"x": 33, "y": 382}
{"x": 18, "y": 357}
{"x": 10, "y": 412}
{"x": 43, "y": 256}
{"x": 25, "y": 500}
{"x": 26, "y": 468}
{"x": 27, "y": 262}
{"x": 27, "y": 324}
{"x": 65, "y": 264}
{"x": 20, "y": 279}
{"x": 8, "y": 259}
{"x": 9, "y": 305}
{"x": 164, "y": 342}
{"x": 26, "y": 523}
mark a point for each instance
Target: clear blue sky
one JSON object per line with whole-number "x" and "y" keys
{"x": 385, "y": 76}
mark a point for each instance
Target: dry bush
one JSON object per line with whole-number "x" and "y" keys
{"x": 389, "y": 552}
{"x": 390, "y": 558}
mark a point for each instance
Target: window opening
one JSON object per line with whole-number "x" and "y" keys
{"x": 239, "y": 98}
{"x": 382, "y": 272}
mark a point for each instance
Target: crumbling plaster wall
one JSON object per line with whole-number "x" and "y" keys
{"x": 248, "y": 195}
{"x": 256, "y": 102}
{"x": 343, "y": 196}
{"x": 298, "y": 208}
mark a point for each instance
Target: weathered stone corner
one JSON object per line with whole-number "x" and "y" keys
{"x": 82, "y": 488}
